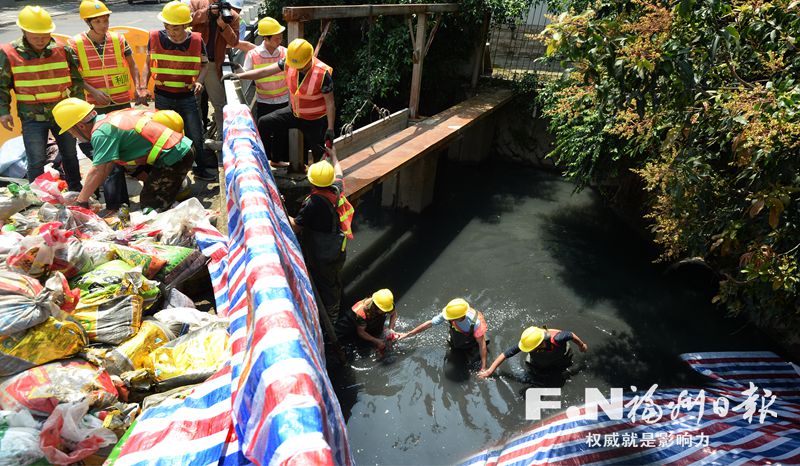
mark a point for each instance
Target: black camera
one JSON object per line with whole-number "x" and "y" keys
{"x": 222, "y": 9}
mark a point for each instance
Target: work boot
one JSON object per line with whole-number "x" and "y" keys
{"x": 205, "y": 175}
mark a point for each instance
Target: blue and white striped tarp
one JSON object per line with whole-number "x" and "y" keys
{"x": 273, "y": 402}
{"x": 676, "y": 432}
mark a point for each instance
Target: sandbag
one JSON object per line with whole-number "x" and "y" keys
{"x": 13, "y": 199}
{"x": 19, "y": 438}
{"x": 70, "y": 434}
{"x": 193, "y": 357}
{"x": 51, "y": 340}
{"x": 42, "y": 388}
{"x": 24, "y": 303}
{"x": 183, "y": 320}
{"x": 134, "y": 353}
{"x": 110, "y": 320}
{"x": 150, "y": 264}
{"x": 116, "y": 278}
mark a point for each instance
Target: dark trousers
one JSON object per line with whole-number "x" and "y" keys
{"x": 164, "y": 183}
{"x": 270, "y": 145}
{"x": 34, "y": 137}
{"x": 277, "y": 125}
{"x": 115, "y": 188}
{"x": 186, "y": 106}
{"x": 328, "y": 280}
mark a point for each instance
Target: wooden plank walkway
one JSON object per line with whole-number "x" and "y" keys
{"x": 382, "y": 159}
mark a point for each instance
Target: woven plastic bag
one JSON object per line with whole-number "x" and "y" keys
{"x": 69, "y": 435}
{"x": 42, "y": 388}
{"x": 19, "y": 438}
{"x": 51, "y": 340}
{"x": 193, "y": 357}
{"x": 110, "y": 320}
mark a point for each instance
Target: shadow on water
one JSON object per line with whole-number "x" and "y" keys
{"x": 522, "y": 247}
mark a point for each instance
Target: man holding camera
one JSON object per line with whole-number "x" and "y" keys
{"x": 217, "y": 21}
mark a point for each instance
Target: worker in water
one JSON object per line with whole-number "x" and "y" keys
{"x": 367, "y": 320}
{"x": 103, "y": 56}
{"x": 41, "y": 73}
{"x": 128, "y": 137}
{"x": 467, "y": 327}
{"x": 324, "y": 226}
{"x": 178, "y": 62}
{"x": 547, "y": 350}
{"x": 312, "y": 108}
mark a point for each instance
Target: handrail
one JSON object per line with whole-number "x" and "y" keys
{"x": 310, "y": 13}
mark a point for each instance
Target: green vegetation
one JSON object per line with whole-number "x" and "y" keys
{"x": 374, "y": 61}
{"x": 701, "y": 100}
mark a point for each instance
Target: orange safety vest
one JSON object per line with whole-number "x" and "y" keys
{"x": 306, "y": 97}
{"x": 476, "y": 324}
{"x": 344, "y": 209}
{"x": 360, "y": 308}
{"x": 272, "y": 87}
{"x": 106, "y": 72}
{"x": 42, "y": 80}
{"x": 141, "y": 121}
{"x": 549, "y": 343}
{"x": 173, "y": 70}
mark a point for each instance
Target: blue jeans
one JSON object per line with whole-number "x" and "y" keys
{"x": 34, "y": 136}
{"x": 115, "y": 188}
{"x": 187, "y": 108}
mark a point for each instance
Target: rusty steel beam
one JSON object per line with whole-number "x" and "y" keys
{"x": 310, "y": 13}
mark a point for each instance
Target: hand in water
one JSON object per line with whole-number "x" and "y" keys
{"x": 400, "y": 336}
{"x": 484, "y": 374}
{"x": 584, "y": 347}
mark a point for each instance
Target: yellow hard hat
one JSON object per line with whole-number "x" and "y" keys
{"x": 299, "y": 53}
{"x": 455, "y": 309}
{"x": 269, "y": 27}
{"x": 175, "y": 13}
{"x": 92, "y": 9}
{"x": 321, "y": 174}
{"x": 531, "y": 338}
{"x": 70, "y": 112}
{"x": 384, "y": 299}
{"x": 35, "y": 19}
{"x": 169, "y": 118}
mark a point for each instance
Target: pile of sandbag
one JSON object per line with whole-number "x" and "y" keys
{"x": 92, "y": 322}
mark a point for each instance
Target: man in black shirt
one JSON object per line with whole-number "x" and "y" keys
{"x": 322, "y": 238}
{"x": 547, "y": 349}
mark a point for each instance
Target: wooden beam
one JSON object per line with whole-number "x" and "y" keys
{"x": 382, "y": 159}
{"x": 416, "y": 72}
{"x": 309, "y": 13}
{"x": 294, "y": 29}
{"x": 366, "y": 136}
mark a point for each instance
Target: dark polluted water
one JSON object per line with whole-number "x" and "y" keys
{"x": 521, "y": 246}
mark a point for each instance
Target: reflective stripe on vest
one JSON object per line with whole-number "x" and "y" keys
{"x": 307, "y": 100}
{"x": 39, "y": 80}
{"x": 161, "y": 137}
{"x": 108, "y": 72}
{"x": 271, "y": 87}
{"x": 173, "y": 70}
{"x": 344, "y": 209}
{"x": 360, "y": 308}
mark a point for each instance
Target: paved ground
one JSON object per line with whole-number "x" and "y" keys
{"x": 65, "y": 15}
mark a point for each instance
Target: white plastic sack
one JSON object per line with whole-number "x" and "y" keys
{"x": 70, "y": 435}
{"x": 182, "y": 320}
{"x": 19, "y": 438}
{"x": 13, "y": 162}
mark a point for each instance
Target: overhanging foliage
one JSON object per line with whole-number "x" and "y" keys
{"x": 700, "y": 98}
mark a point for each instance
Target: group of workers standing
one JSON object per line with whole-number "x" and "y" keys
{"x": 85, "y": 89}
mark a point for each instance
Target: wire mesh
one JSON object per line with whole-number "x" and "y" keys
{"x": 513, "y": 47}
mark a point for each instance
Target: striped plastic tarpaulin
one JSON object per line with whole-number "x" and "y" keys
{"x": 675, "y": 431}
{"x": 272, "y": 403}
